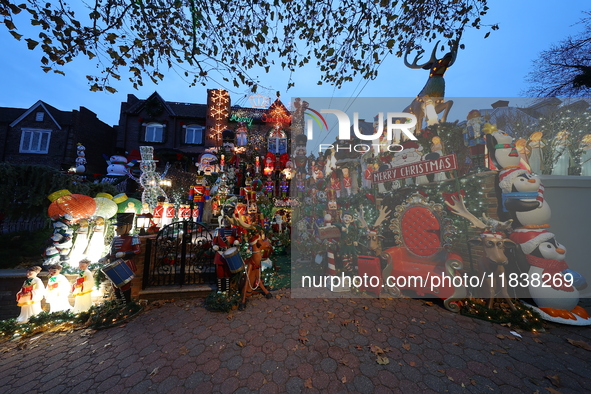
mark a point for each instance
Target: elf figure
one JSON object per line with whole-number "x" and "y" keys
{"x": 82, "y": 288}
{"x": 58, "y": 290}
{"x": 30, "y": 295}
{"x": 124, "y": 246}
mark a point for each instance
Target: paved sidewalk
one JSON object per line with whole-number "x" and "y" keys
{"x": 299, "y": 345}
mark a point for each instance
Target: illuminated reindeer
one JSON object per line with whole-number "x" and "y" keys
{"x": 492, "y": 239}
{"x": 433, "y": 92}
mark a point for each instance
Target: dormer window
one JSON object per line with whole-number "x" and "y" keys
{"x": 154, "y": 132}
{"x": 39, "y": 116}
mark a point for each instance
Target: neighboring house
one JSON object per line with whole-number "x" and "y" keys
{"x": 180, "y": 131}
{"x": 170, "y": 127}
{"x": 45, "y": 135}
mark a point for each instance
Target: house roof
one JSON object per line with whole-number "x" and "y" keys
{"x": 7, "y": 115}
{"x": 58, "y": 117}
{"x": 173, "y": 108}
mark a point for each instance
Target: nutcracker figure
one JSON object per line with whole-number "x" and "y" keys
{"x": 335, "y": 183}
{"x": 284, "y": 186}
{"x": 225, "y": 237}
{"x": 347, "y": 182}
{"x": 200, "y": 194}
{"x": 124, "y": 246}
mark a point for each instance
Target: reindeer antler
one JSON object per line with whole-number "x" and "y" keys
{"x": 414, "y": 64}
{"x": 382, "y": 216}
{"x": 461, "y": 210}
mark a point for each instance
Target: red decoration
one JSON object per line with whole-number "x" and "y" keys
{"x": 77, "y": 205}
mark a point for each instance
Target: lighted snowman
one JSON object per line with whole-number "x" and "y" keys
{"x": 552, "y": 285}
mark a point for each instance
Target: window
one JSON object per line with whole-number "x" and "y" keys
{"x": 35, "y": 141}
{"x": 154, "y": 132}
{"x": 194, "y": 134}
{"x": 39, "y": 116}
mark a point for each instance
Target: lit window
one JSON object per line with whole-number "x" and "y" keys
{"x": 35, "y": 141}
{"x": 194, "y": 134}
{"x": 154, "y": 132}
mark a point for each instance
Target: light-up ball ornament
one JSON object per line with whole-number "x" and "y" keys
{"x": 77, "y": 205}
{"x": 105, "y": 207}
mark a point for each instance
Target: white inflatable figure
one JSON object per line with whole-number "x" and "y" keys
{"x": 409, "y": 155}
{"x": 556, "y": 294}
{"x": 81, "y": 159}
{"x": 437, "y": 147}
{"x": 117, "y": 166}
{"x": 561, "y": 157}
{"x": 586, "y": 155}
{"x": 30, "y": 295}
{"x": 536, "y": 157}
{"x": 58, "y": 290}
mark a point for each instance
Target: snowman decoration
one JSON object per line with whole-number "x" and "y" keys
{"x": 81, "y": 159}
{"x": 117, "y": 166}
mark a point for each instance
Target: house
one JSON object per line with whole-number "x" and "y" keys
{"x": 185, "y": 131}
{"x": 45, "y": 135}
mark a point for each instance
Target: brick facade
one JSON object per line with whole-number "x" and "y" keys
{"x": 67, "y": 128}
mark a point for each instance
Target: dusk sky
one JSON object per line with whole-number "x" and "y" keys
{"x": 491, "y": 67}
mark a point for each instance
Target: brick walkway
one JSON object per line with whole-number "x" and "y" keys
{"x": 299, "y": 345}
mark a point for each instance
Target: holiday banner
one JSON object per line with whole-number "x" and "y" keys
{"x": 425, "y": 167}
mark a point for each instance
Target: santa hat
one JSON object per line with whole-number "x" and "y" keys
{"x": 411, "y": 145}
{"x": 530, "y": 239}
{"x": 507, "y": 177}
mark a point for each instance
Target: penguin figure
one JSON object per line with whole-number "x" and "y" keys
{"x": 522, "y": 199}
{"x": 551, "y": 284}
{"x": 502, "y": 150}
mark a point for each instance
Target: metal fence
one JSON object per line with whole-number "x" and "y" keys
{"x": 17, "y": 225}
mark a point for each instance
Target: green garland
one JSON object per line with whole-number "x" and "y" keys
{"x": 523, "y": 317}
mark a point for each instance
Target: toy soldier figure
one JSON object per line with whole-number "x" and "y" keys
{"x": 199, "y": 193}
{"x": 124, "y": 246}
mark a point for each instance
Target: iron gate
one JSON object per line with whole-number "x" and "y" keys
{"x": 180, "y": 255}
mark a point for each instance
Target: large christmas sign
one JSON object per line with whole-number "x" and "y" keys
{"x": 425, "y": 167}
